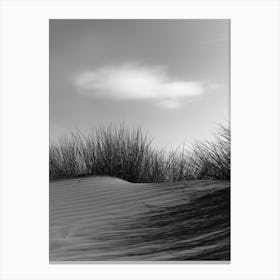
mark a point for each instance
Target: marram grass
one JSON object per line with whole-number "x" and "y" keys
{"x": 128, "y": 154}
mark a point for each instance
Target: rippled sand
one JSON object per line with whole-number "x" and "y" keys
{"x": 108, "y": 219}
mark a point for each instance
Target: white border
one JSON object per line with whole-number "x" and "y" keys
{"x": 255, "y": 138}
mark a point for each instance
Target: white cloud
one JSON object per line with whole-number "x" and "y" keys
{"x": 135, "y": 82}
{"x": 214, "y": 86}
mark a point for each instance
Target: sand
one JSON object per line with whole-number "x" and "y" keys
{"x": 83, "y": 211}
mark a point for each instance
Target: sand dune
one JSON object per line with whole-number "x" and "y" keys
{"x": 98, "y": 218}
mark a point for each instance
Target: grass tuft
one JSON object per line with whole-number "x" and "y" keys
{"x": 211, "y": 160}
{"x": 128, "y": 154}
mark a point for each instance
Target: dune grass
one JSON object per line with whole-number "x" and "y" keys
{"x": 128, "y": 154}
{"x": 211, "y": 160}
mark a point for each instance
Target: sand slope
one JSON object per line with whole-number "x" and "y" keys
{"x": 86, "y": 213}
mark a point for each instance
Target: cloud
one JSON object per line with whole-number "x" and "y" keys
{"x": 137, "y": 82}
{"x": 214, "y": 86}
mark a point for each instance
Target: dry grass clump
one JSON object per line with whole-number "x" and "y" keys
{"x": 211, "y": 160}
{"x": 128, "y": 154}
{"x": 111, "y": 151}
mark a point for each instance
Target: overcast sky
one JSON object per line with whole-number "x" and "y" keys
{"x": 171, "y": 77}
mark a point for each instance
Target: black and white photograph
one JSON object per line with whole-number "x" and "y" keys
{"x": 139, "y": 140}
{"x": 139, "y": 153}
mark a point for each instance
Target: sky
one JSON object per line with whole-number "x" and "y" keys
{"x": 169, "y": 77}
